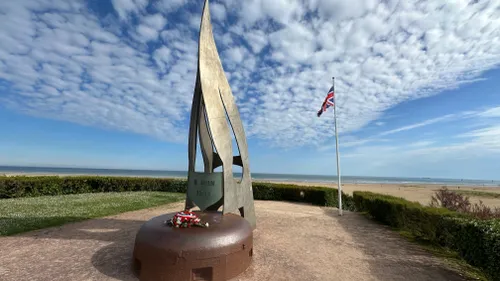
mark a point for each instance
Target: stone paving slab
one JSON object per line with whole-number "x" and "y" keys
{"x": 291, "y": 242}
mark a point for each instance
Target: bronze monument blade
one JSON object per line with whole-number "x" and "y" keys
{"x": 224, "y": 249}
{"x": 213, "y": 106}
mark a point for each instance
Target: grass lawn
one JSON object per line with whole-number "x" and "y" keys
{"x": 25, "y": 214}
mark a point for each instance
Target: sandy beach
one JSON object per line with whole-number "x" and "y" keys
{"x": 421, "y": 193}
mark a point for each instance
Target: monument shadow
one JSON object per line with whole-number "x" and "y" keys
{"x": 392, "y": 257}
{"x": 113, "y": 260}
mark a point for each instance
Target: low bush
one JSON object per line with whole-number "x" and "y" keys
{"x": 23, "y": 186}
{"x": 320, "y": 196}
{"x": 460, "y": 203}
{"x": 450, "y": 200}
{"x": 481, "y": 211}
{"x": 477, "y": 241}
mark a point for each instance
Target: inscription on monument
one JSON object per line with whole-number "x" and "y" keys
{"x": 205, "y": 189}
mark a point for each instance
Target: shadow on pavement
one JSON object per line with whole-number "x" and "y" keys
{"x": 390, "y": 256}
{"x": 113, "y": 260}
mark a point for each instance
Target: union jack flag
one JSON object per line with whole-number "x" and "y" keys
{"x": 329, "y": 101}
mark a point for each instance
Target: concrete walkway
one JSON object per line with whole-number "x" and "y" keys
{"x": 292, "y": 242}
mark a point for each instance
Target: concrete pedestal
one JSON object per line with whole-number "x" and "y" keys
{"x": 217, "y": 253}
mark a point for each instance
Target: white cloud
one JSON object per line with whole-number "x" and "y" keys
{"x": 162, "y": 57}
{"x": 424, "y": 143}
{"x": 491, "y": 113}
{"x": 70, "y": 64}
{"x": 295, "y": 43}
{"x": 488, "y": 137}
{"x": 79, "y": 71}
{"x": 474, "y": 158}
{"x": 126, "y": 7}
{"x": 257, "y": 40}
{"x": 194, "y": 21}
{"x": 156, "y": 21}
{"x": 218, "y": 11}
{"x": 468, "y": 154}
{"x": 281, "y": 11}
{"x": 348, "y": 141}
{"x": 236, "y": 54}
{"x": 418, "y": 125}
{"x": 170, "y": 5}
{"x": 147, "y": 33}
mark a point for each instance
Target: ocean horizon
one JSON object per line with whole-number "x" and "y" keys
{"x": 255, "y": 176}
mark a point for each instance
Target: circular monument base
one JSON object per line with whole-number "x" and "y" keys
{"x": 220, "y": 252}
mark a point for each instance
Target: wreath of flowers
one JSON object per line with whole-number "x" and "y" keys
{"x": 185, "y": 219}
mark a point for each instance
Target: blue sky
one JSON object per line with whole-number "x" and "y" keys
{"x": 109, "y": 84}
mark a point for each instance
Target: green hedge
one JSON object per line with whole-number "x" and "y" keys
{"x": 23, "y": 186}
{"x": 321, "y": 196}
{"x": 477, "y": 241}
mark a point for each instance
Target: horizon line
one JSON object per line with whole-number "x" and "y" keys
{"x": 265, "y": 173}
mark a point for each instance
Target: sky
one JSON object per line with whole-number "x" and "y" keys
{"x": 109, "y": 84}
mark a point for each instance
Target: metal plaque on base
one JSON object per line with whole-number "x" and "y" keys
{"x": 205, "y": 189}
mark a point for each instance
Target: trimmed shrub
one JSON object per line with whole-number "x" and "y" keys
{"x": 320, "y": 196}
{"x": 477, "y": 241}
{"x": 23, "y": 186}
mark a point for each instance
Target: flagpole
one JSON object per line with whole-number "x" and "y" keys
{"x": 337, "y": 148}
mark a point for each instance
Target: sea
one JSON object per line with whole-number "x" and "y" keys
{"x": 255, "y": 176}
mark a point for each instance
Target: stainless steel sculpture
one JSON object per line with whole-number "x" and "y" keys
{"x": 213, "y": 116}
{"x": 224, "y": 249}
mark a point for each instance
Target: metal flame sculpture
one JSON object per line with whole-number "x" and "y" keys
{"x": 214, "y": 117}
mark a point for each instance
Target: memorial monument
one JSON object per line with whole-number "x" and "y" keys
{"x": 166, "y": 247}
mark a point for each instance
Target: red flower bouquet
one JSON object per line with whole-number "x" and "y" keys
{"x": 186, "y": 219}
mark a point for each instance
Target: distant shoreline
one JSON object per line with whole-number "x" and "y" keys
{"x": 328, "y": 183}
{"x": 298, "y": 178}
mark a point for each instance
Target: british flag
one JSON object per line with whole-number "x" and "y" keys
{"x": 329, "y": 101}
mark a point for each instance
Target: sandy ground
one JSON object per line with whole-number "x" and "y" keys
{"x": 414, "y": 192}
{"x": 291, "y": 242}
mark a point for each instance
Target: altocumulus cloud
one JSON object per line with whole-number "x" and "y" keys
{"x": 134, "y": 68}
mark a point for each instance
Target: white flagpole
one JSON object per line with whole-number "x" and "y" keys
{"x": 337, "y": 148}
